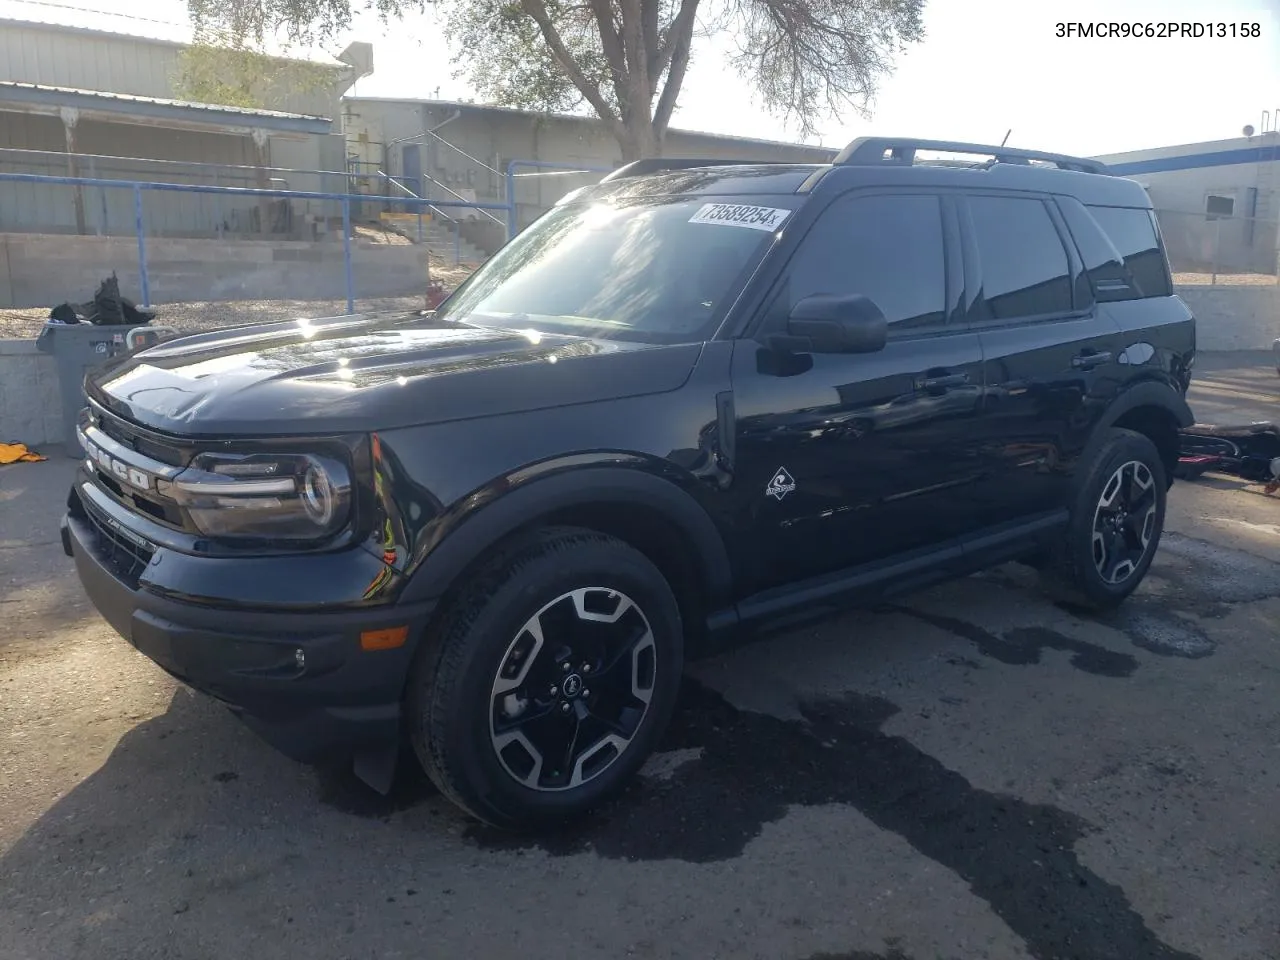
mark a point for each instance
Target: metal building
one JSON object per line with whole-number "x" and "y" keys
{"x": 90, "y": 102}
{"x": 1218, "y": 202}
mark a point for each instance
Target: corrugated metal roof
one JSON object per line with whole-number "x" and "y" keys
{"x": 84, "y": 20}
{"x": 156, "y": 107}
{"x": 48, "y": 14}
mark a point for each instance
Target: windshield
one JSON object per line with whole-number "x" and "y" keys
{"x": 655, "y": 271}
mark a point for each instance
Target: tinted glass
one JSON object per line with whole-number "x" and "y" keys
{"x": 656, "y": 271}
{"x": 1024, "y": 265}
{"x": 886, "y": 248}
{"x": 1104, "y": 267}
{"x": 1133, "y": 233}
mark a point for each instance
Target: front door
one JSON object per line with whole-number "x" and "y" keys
{"x": 844, "y": 459}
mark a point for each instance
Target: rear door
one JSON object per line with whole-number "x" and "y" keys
{"x": 1051, "y": 357}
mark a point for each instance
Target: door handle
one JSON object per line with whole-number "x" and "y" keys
{"x": 1087, "y": 361}
{"x": 942, "y": 382}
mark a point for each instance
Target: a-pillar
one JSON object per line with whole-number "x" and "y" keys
{"x": 70, "y": 118}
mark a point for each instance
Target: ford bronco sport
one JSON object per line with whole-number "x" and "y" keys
{"x": 689, "y": 403}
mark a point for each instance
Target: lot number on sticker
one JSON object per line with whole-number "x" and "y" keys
{"x": 741, "y": 215}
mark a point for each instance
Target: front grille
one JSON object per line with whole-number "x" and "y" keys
{"x": 135, "y": 438}
{"x": 162, "y": 511}
{"x": 118, "y": 551}
{"x": 144, "y": 499}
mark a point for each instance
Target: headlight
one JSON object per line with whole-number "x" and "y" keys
{"x": 293, "y": 497}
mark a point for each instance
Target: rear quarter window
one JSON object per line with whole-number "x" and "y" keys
{"x": 1121, "y": 250}
{"x": 1136, "y": 237}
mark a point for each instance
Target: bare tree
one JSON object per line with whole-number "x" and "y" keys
{"x": 627, "y": 59}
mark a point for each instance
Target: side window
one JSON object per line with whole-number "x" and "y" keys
{"x": 886, "y": 248}
{"x": 1025, "y": 271}
{"x": 1103, "y": 264}
{"x": 1134, "y": 234}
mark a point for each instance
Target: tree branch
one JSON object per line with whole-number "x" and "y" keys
{"x": 680, "y": 31}
{"x": 639, "y": 93}
{"x": 649, "y": 10}
{"x": 538, "y": 10}
{"x": 611, "y": 45}
{"x": 679, "y": 42}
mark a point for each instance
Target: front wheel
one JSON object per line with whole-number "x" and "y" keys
{"x": 1116, "y": 521}
{"x": 548, "y": 680}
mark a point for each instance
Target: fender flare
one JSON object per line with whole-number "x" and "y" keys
{"x": 468, "y": 537}
{"x": 1149, "y": 393}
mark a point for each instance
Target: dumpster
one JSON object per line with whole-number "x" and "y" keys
{"x": 80, "y": 347}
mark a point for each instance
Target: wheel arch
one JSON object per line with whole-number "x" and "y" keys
{"x": 1152, "y": 409}
{"x": 651, "y": 513}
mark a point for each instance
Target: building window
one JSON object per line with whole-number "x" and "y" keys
{"x": 1218, "y": 206}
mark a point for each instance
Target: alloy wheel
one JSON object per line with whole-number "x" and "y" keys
{"x": 572, "y": 689}
{"x": 1124, "y": 522}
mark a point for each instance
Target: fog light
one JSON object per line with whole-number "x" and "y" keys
{"x": 300, "y": 658}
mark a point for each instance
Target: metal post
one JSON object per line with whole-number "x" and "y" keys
{"x": 103, "y": 228}
{"x": 217, "y": 206}
{"x": 70, "y": 119}
{"x": 511, "y": 200}
{"x": 457, "y": 243}
{"x": 142, "y": 245}
{"x": 1217, "y": 248}
{"x": 346, "y": 254}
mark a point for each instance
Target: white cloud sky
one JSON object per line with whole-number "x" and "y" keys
{"x": 985, "y": 66}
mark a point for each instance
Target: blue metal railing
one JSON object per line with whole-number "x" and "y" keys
{"x": 513, "y": 226}
{"x": 139, "y": 187}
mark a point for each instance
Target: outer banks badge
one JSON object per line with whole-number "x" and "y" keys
{"x": 781, "y": 484}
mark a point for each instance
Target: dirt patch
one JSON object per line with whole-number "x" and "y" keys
{"x": 1225, "y": 279}
{"x": 198, "y": 316}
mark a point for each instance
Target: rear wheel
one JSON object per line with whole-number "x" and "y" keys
{"x": 549, "y": 679}
{"x": 1116, "y": 522}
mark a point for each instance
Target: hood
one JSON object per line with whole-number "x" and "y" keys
{"x": 377, "y": 372}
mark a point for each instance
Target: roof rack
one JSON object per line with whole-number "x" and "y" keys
{"x": 869, "y": 151}
{"x": 638, "y": 168}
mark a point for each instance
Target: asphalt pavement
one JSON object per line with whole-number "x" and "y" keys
{"x": 974, "y": 772}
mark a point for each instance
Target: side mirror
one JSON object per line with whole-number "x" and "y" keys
{"x": 824, "y": 323}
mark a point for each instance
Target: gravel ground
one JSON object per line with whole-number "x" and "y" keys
{"x": 1227, "y": 279}
{"x": 972, "y": 773}
{"x": 195, "y": 317}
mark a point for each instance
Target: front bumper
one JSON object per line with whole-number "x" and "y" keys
{"x": 299, "y": 678}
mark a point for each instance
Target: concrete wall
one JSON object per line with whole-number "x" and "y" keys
{"x": 41, "y": 271}
{"x": 30, "y": 405}
{"x": 1244, "y": 317}
{"x": 1228, "y": 318}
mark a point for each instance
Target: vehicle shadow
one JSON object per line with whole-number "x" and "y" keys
{"x": 192, "y": 829}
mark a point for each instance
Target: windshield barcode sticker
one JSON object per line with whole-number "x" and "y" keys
{"x": 741, "y": 215}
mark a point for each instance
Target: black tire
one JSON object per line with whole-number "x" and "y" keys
{"x": 459, "y": 707}
{"x": 1101, "y": 559}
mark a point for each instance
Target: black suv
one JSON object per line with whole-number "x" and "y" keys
{"x": 690, "y": 403}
